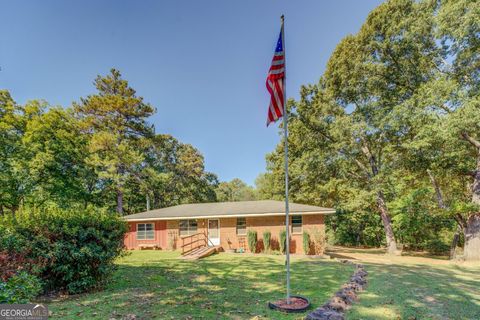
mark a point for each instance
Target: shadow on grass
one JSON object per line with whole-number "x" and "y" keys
{"x": 419, "y": 292}
{"x": 219, "y": 287}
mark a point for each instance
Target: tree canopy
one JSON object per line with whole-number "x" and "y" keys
{"x": 390, "y": 132}
{"x": 101, "y": 151}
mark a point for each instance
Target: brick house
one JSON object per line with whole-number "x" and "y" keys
{"x": 222, "y": 224}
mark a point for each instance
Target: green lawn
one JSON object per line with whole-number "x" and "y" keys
{"x": 420, "y": 292}
{"x": 158, "y": 285}
{"x": 416, "y": 288}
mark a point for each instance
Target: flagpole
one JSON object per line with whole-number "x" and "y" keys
{"x": 285, "y": 135}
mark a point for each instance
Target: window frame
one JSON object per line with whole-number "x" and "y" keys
{"x": 296, "y": 224}
{"x": 190, "y": 230}
{"x": 237, "y": 225}
{"x": 145, "y": 231}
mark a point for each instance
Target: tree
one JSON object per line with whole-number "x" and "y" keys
{"x": 56, "y": 165}
{"x": 16, "y": 182}
{"x": 235, "y": 190}
{"x": 460, "y": 33}
{"x": 13, "y": 181}
{"x": 264, "y": 187}
{"x": 115, "y": 119}
{"x": 172, "y": 173}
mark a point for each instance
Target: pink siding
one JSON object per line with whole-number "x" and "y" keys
{"x": 131, "y": 241}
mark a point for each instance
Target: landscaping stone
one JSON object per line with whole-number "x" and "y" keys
{"x": 335, "y": 308}
{"x": 337, "y": 304}
{"x": 325, "y": 314}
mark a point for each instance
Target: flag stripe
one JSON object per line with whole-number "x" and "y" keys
{"x": 275, "y": 82}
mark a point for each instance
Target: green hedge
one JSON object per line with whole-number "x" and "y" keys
{"x": 267, "y": 237}
{"x": 283, "y": 241}
{"x": 252, "y": 241}
{"x": 306, "y": 242}
{"x": 75, "y": 249}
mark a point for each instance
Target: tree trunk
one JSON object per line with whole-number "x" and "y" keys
{"x": 2, "y": 212}
{"x": 438, "y": 192}
{"x": 387, "y": 224}
{"x": 453, "y": 246}
{"x": 472, "y": 230}
{"x": 14, "y": 209}
{"x": 472, "y": 238}
{"x": 382, "y": 206}
{"x": 459, "y": 219}
{"x": 119, "y": 202}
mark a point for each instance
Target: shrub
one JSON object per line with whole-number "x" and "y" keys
{"x": 12, "y": 262}
{"x": 267, "y": 236}
{"x": 252, "y": 240}
{"x": 77, "y": 248}
{"x": 306, "y": 242}
{"x": 20, "y": 288}
{"x": 436, "y": 246}
{"x": 283, "y": 241}
{"x": 318, "y": 238}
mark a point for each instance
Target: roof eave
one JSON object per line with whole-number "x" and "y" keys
{"x": 325, "y": 212}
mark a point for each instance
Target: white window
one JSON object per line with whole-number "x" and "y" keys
{"x": 187, "y": 227}
{"x": 145, "y": 231}
{"x": 296, "y": 224}
{"x": 241, "y": 226}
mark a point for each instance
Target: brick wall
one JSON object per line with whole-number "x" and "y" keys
{"x": 160, "y": 240}
{"x": 230, "y": 239}
{"x": 168, "y": 238}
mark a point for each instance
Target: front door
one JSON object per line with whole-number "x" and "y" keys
{"x": 213, "y": 232}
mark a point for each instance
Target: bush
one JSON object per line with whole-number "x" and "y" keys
{"x": 20, "y": 288}
{"x": 436, "y": 246}
{"x": 12, "y": 262}
{"x": 283, "y": 241}
{"x": 267, "y": 236}
{"x": 252, "y": 240}
{"x": 77, "y": 248}
{"x": 306, "y": 242}
{"x": 318, "y": 238}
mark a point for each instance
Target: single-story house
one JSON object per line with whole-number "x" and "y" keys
{"x": 222, "y": 224}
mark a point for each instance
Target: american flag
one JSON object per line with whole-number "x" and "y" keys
{"x": 275, "y": 82}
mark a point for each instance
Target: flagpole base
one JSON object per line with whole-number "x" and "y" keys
{"x": 297, "y": 304}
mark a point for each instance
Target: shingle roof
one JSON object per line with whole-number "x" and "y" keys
{"x": 227, "y": 209}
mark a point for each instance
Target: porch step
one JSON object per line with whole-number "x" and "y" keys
{"x": 201, "y": 253}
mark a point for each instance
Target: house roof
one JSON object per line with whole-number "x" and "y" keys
{"x": 227, "y": 209}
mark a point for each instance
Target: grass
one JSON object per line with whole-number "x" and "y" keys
{"x": 158, "y": 285}
{"x": 415, "y": 288}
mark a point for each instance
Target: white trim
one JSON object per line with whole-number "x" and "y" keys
{"x": 234, "y": 216}
{"x": 218, "y": 229}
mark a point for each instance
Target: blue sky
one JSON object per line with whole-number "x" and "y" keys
{"x": 202, "y": 64}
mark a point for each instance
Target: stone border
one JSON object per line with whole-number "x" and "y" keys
{"x": 335, "y": 308}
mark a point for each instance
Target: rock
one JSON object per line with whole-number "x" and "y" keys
{"x": 359, "y": 280}
{"x": 325, "y": 314}
{"x": 347, "y": 295}
{"x": 361, "y": 273}
{"x": 336, "y": 304}
{"x": 352, "y": 286}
